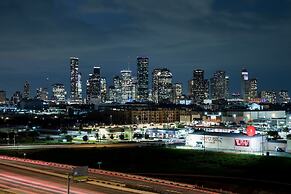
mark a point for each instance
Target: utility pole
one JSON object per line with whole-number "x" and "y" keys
{"x": 68, "y": 183}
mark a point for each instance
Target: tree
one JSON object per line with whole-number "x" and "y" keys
{"x": 85, "y": 138}
{"x": 111, "y": 136}
{"x": 121, "y": 136}
{"x": 273, "y": 134}
{"x": 69, "y": 138}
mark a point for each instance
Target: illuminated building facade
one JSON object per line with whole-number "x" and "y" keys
{"x": 177, "y": 92}
{"x": 58, "y": 92}
{"x": 283, "y": 97}
{"x": 252, "y": 86}
{"x": 94, "y": 87}
{"x": 268, "y": 97}
{"x": 162, "y": 86}
{"x": 76, "y": 84}
{"x": 16, "y": 97}
{"x": 2, "y": 97}
{"x": 200, "y": 88}
{"x": 26, "y": 90}
{"x": 127, "y": 86}
{"x": 244, "y": 81}
{"x": 42, "y": 93}
{"x": 103, "y": 85}
{"x": 142, "y": 78}
{"x": 219, "y": 85}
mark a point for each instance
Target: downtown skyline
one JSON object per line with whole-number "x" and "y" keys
{"x": 38, "y": 37}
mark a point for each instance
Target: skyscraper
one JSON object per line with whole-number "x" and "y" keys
{"x": 2, "y": 97}
{"x": 268, "y": 97}
{"x": 76, "y": 84}
{"x": 26, "y": 90}
{"x": 16, "y": 98}
{"x": 127, "y": 86}
{"x": 252, "y": 88}
{"x": 219, "y": 85}
{"x": 162, "y": 86}
{"x": 58, "y": 92}
{"x": 42, "y": 94}
{"x": 142, "y": 78}
{"x": 103, "y": 89}
{"x": 244, "y": 83}
{"x": 283, "y": 97}
{"x": 94, "y": 87}
{"x": 199, "y": 86}
{"x": 177, "y": 92}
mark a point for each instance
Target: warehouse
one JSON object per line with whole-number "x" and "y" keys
{"x": 226, "y": 141}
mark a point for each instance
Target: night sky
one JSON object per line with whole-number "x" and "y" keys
{"x": 38, "y": 37}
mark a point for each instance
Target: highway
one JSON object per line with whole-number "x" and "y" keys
{"x": 30, "y": 176}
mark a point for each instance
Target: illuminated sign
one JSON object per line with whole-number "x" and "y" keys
{"x": 210, "y": 139}
{"x": 251, "y": 131}
{"x": 242, "y": 142}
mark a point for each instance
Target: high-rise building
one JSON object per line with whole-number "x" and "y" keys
{"x": 252, "y": 88}
{"x": 244, "y": 83}
{"x": 42, "y": 94}
{"x": 218, "y": 85}
{"x": 268, "y": 97}
{"x": 76, "y": 84}
{"x": 162, "y": 86}
{"x": 283, "y": 97}
{"x": 16, "y": 97}
{"x": 58, "y": 92}
{"x": 227, "y": 95}
{"x": 199, "y": 87}
{"x": 103, "y": 89}
{"x": 142, "y": 78}
{"x": 127, "y": 86}
{"x": 94, "y": 87}
{"x": 2, "y": 97}
{"x": 177, "y": 92}
{"x": 26, "y": 90}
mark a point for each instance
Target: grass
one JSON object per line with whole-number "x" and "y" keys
{"x": 152, "y": 160}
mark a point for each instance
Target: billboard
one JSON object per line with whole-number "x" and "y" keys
{"x": 80, "y": 173}
{"x": 242, "y": 142}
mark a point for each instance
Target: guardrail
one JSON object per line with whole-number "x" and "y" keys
{"x": 122, "y": 175}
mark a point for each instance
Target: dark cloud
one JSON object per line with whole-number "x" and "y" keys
{"x": 38, "y": 37}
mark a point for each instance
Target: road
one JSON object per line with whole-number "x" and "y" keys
{"x": 32, "y": 176}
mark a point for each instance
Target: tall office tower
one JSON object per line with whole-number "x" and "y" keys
{"x": 190, "y": 88}
{"x": 26, "y": 90}
{"x": 127, "y": 86}
{"x": 162, "y": 86}
{"x": 244, "y": 83}
{"x": 283, "y": 97}
{"x": 218, "y": 85}
{"x": 103, "y": 85}
{"x": 16, "y": 97}
{"x": 177, "y": 92}
{"x": 114, "y": 93}
{"x": 2, "y": 97}
{"x": 58, "y": 92}
{"x": 42, "y": 94}
{"x": 94, "y": 87}
{"x": 199, "y": 86}
{"x": 76, "y": 84}
{"x": 142, "y": 78}
{"x": 268, "y": 97}
{"x": 227, "y": 95}
{"x": 252, "y": 88}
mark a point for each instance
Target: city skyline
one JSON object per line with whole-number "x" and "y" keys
{"x": 38, "y": 37}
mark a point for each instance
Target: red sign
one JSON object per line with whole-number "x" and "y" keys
{"x": 251, "y": 130}
{"x": 242, "y": 142}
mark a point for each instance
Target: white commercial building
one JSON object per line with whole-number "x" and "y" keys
{"x": 226, "y": 141}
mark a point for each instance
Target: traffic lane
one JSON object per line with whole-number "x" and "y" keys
{"x": 131, "y": 181}
{"x": 41, "y": 179}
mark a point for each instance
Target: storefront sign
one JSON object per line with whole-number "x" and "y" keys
{"x": 242, "y": 142}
